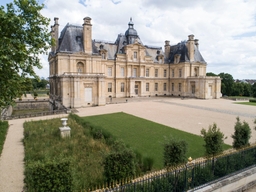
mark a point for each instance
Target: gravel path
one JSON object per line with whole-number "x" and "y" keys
{"x": 190, "y": 115}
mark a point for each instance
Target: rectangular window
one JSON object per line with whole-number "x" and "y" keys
{"x": 122, "y": 87}
{"x": 156, "y": 72}
{"x": 135, "y": 55}
{"x": 122, "y": 72}
{"x": 109, "y": 87}
{"x": 172, "y": 86}
{"x": 156, "y": 86}
{"x": 134, "y": 72}
{"x": 180, "y": 72}
{"x": 147, "y": 72}
{"x": 147, "y": 86}
{"x": 179, "y": 86}
{"x": 164, "y": 86}
{"x": 165, "y": 73}
{"x": 109, "y": 71}
{"x": 172, "y": 72}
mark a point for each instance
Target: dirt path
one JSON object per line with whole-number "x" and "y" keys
{"x": 190, "y": 115}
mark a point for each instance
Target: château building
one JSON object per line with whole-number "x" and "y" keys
{"x": 85, "y": 72}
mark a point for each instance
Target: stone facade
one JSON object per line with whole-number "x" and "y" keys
{"x": 84, "y": 72}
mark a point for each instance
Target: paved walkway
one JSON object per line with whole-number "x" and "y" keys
{"x": 190, "y": 115}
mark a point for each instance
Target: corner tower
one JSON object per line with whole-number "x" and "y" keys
{"x": 87, "y": 35}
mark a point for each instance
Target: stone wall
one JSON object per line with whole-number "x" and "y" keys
{"x": 32, "y": 104}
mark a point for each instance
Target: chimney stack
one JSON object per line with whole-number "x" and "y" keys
{"x": 167, "y": 49}
{"x": 191, "y": 48}
{"x": 56, "y": 33}
{"x": 87, "y": 35}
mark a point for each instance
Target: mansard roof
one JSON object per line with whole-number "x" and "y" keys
{"x": 182, "y": 50}
{"x": 71, "y": 41}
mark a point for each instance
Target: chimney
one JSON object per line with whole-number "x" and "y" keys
{"x": 191, "y": 48}
{"x": 56, "y": 32}
{"x": 167, "y": 49}
{"x": 196, "y": 43}
{"x": 52, "y": 37}
{"x": 87, "y": 35}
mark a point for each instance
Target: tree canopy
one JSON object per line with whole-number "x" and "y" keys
{"x": 226, "y": 83}
{"x": 24, "y": 36}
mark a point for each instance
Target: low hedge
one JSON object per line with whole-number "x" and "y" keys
{"x": 54, "y": 175}
{"x": 3, "y": 130}
{"x": 252, "y": 100}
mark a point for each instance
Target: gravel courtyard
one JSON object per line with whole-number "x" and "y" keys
{"x": 190, "y": 115}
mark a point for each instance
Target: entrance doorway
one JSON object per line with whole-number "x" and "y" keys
{"x": 136, "y": 89}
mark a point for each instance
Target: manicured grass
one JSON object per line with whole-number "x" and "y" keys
{"x": 246, "y": 103}
{"x": 3, "y": 132}
{"x": 146, "y": 136}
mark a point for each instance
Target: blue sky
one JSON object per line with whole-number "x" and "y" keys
{"x": 226, "y": 29}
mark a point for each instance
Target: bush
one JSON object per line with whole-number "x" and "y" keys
{"x": 3, "y": 131}
{"x": 214, "y": 140}
{"x": 252, "y": 100}
{"x": 174, "y": 152}
{"x": 119, "y": 165}
{"x": 52, "y": 175}
{"x": 241, "y": 135}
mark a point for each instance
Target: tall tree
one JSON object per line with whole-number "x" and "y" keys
{"x": 24, "y": 36}
{"x": 226, "y": 83}
{"x": 254, "y": 90}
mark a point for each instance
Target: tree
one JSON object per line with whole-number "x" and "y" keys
{"x": 238, "y": 89}
{"x": 254, "y": 90}
{"x": 241, "y": 135}
{"x": 174, "y": 152}
{"x": 211, "y": 74}
{"x": 214, "y": 140}
{"x": 226, "y": 83}
{"x": 247, "y": 89}
{"x": 24, "y": 35}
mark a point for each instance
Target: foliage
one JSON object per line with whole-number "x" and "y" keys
{"x": 226, "y": 83}
{"x": 42, "y": 142}
{"x": 39, "y": 83}
{"x": 3, "y": 132}
{"x": 143, "y": 136}
{"x": 241, "y": 135}
{"x": 24, "y": 35}
{"x": 252, "y": 100}
{"x": 52, "y": 175}
{"x": 211, "y": 74}
{"x": 119, "y": 164}
{"x": 238, "y": 89}
{"x": 174, "y": 152}
{"x": 193, "y": 175}
{"x": 255, "y": 124}
{"x": 254, "y": 90}
{"x": 214, "y": 140}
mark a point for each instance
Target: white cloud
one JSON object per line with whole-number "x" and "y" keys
{"x": 225, "y": 28}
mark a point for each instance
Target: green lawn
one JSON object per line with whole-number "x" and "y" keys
{"x": 3, "y": 132}
{"x": 146, "y": 136}
{"x": 247, "y": 103}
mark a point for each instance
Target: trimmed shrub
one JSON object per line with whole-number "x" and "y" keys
{"x": 174, "y": 152}
{"x": 241, "y": 135}
{"x": 252, "y": 100}
{"x": 52, "y": 175}
{"x": 3, "y": 131}
{"x": 119, "y": 165}
{"x": 214, "y": 140}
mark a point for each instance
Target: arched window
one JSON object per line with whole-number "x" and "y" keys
{"x": 80, "y": 67}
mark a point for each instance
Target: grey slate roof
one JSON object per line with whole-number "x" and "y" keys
{"x": 181, "y": 49}
{"x": 71, "y": 41}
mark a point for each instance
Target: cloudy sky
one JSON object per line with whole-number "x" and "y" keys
{"x": 226, "y": 29}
